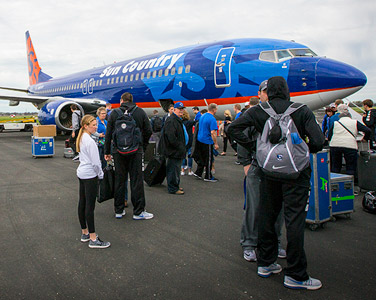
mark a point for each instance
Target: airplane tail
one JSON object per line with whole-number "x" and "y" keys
{"x": 35, "y": 72}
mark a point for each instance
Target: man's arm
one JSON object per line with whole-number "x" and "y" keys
{"x": 236, "y": 129}
{"x": 109, "y": 131}
{"x": 214, "y": 137}
{"x": 314, "y": 133}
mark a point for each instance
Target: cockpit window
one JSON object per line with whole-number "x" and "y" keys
{"x": 302, "y": 52}
{"x": 267, "y": 56}
{"x": 283, "y": 55}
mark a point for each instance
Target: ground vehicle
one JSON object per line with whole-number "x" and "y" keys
{"x": 23, "y": 124}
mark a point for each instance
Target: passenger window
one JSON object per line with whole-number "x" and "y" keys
{"x": 160, "y": 72}
{"x": 154, "y": 74}
{"x": 108, "y": 81}
{"x": 100, "y": 82}
{"x": 180, "y": 70}
{"x": 126, "y": 78}
{"x": 121, "y": 78}
{"x": 137, "y": 75}
{"x": 187, "y": 68}
{"x": 117, "y": 79}
{"x": 142, "y": 75}
{"x": 112, "y": 80}
{"x": 173, "y": 70}
{"x": 148, "y": 75}
{"x": 267, "y": 56}
{"x": 166, "y": 72}
{"x": 131, "y": 78}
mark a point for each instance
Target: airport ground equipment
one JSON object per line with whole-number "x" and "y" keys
{"x": 342, "y": 194}
{"x": 367, "y": 171}
{"x": 23, "y": 124}
{"x": 319, "y": 210}
{"x": 42, "y": 146}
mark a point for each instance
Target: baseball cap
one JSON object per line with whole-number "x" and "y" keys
{"x": 332, "y": 105}
{"x": 246, "y": 104}
{"x": 179, "y": 105}
{"x": 263, "y": 86}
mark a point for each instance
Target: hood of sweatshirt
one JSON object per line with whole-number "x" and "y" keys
{"x": 278, "y": 88}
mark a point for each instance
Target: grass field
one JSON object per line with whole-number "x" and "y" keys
{"x": 18, "y": 117}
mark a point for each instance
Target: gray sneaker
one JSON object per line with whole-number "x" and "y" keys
{"x": 85, "y": 238}
{"x": 282, "y": 253}
{"x": 250, "y": 255}
{"x": 269, "y": 270}
{"x": 310, "y": 284}
{"x": 98, "y": 244}
{"x": 119, "y": 216}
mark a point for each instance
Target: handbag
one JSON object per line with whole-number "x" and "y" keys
{"x": 107, "y": 184}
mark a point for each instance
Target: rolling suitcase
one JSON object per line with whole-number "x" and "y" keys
{"x": 155, "y": 171}
{"x": 367, "y": 171}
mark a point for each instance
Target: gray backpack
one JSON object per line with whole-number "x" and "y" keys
{"x": 281, "y": 153}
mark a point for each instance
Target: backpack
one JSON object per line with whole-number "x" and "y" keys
{"x": 126, "y": 135}
{"x": 157, "y": 124}
{"x": 79, "y": 116}
{"x": 281, "y": 153}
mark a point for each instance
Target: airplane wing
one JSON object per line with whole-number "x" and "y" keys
{"x": 30, "y": 99}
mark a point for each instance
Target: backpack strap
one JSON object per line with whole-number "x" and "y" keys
{"x": 265, "y": 106}
{"x": 292, "y": 108}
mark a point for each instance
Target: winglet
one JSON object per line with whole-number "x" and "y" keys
{"x": 35, "y": 72}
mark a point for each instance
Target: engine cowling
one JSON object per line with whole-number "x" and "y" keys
{"x": 58, "y": 113}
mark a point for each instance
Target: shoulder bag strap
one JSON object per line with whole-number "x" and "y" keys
{"x": 347, "y": 129}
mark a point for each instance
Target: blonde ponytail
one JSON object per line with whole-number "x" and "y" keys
{"x": 86, "y": 120}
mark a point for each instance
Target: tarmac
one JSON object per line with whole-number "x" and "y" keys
{"x": 190, "y": 250}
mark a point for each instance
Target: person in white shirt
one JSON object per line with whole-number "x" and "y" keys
{"x": 88, "y": 173}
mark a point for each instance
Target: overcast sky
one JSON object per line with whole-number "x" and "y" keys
{"x": 71, "y": 36}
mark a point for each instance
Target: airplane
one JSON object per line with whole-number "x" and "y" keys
{"x": 225, "y": 72}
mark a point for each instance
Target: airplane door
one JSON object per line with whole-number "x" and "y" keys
{"x": 222, "y": 67}
{"x": 84, "y": 87}
{"x": 91, "y": 86}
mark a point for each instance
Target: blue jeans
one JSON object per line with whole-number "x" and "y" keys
{"x": 173, "y": 174}
{"x": 190, "y": 160}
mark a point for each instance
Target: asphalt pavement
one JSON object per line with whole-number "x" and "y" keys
{"x": 190, "y": 250}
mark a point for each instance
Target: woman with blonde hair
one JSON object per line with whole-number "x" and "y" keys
{"x": 88, "y": 173}
{"x": 228, "y": 120}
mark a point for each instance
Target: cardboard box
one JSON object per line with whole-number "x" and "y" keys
{"x": 44, "y": 131}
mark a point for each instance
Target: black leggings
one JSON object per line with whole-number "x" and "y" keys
{"x": 86, "y": 204}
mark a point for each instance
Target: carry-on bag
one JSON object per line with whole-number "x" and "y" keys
{"x": 155, "y": 171}
{"x": 107, "y": 184}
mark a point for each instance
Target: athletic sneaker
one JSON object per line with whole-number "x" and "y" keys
{"x": 249, "y": 255}
{"x": 99, "y": 244}
{"x": 269, "y": 270}
{"x": 77, "y": 157}
{"x": 282, "y": 253}
{"x": 197, "y": 176}
{"x": 85, "y": 238}
{"x": 182, "y": 173}
{"x": 213, "y": 179}
{"x": 310, "y": 284}
{"x": 191, "y": 173}
{"x": 119, "y": 216}
{"x": 143, "y": 216}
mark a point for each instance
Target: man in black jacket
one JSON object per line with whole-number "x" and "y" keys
{"x": 294, "y": 193}
{"x": 173, "y": 141}
{"x": 132, "y": 163}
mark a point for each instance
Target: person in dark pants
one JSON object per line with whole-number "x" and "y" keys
{"x": 129, "y": 164}
{"x": 88, "y": 173}
{"x": 273, "y": 191}
{"x": 369, "y": 119}
{"x": 206, "y": 143}
{"x": 173, "y": 141}
{"x": 342, "y": 137}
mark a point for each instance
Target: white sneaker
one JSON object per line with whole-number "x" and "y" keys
{"x": 182, "y": 173}
{"x": 249, "y": 255}
{"x": 190, "y": 173}
{"x": 185, "y": 167}
{"x": 119, "y": 216}
{"x": 310, "y": 284}
{"x": 143, "y": 216}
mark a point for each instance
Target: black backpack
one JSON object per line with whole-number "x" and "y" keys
{"x": 157, "y": 124}
{"x": 126, "y": 136}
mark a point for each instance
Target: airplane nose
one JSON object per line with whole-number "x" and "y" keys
{"x": 331, "y": 74}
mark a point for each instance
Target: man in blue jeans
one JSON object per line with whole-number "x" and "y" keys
{"x": 173, "y": 141}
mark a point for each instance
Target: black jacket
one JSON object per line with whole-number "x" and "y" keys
{"x": 142, "y": 122}
{"x": 189, "y": 125}
{"x": 173, "y": 138}
{"x": 279, "y": 99}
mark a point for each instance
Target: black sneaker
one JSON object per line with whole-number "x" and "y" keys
{"x": 197, "y": 176}
{"x": 98, "y": 244}
{"x": 213, "y": 179}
